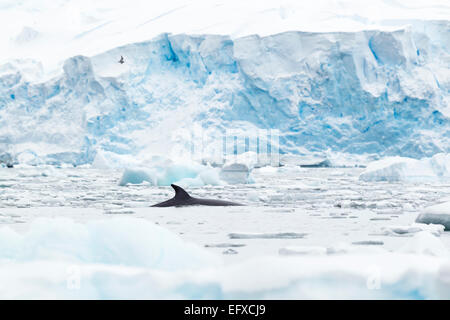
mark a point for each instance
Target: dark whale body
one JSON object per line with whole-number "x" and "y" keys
{"x": 182, "y": 198}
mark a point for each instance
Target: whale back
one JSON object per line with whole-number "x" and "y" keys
{"x": 182, "y": 198}
{"x": 180, "y": 193}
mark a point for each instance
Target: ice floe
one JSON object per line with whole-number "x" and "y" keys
{"x": 396, "y": 169}
{"x": 302, "y": 250}
{"x": 116, "y": 241}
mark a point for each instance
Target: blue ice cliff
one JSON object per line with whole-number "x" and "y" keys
{"x": 368, "y": 92}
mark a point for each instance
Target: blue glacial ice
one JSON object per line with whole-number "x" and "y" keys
{"x": 185, "y": 175}
{"x": 366, "y": 92}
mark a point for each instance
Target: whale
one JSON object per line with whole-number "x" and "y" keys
{"x": 182, "y": 198}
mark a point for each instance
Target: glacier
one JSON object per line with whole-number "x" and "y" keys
{"x": 383, "y": 93}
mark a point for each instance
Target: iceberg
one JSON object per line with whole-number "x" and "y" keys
{"x": 395, "y": 169}
{"x": 411, "y": 230}
{"x": 163, "y": 172}
{"x": 437, "y": 214}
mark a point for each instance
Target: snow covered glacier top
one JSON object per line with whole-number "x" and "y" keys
{"x": 375, "y": 92}
{"x": 82, "y": 27}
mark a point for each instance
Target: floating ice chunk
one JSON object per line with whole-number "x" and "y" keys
{"x": 164, "y": 173}
{"x": 170, "y": 172}
{"x": 138, "y": 176}
{"x": 230, "y": 251}
{"x": 281, "y": 235}
{"x": 435, "y": 229}
{"x": 424, "y": 242}
{"x": 437, "y": 214}
{"x": 281, "y": 210}
{"x": 368, "y": 243}
{"x": 29, "y": 157}
{"x": 225, "y": 245}
{"x": 117, "y": 241}
{"x": 158, "y": 170}
{"x": 188, "y": 175}
{"x": 394, "y": 169}
{"x": 434, "y": 218}
{"x": 302, "y": 250}
{"x": 380, "y": 219}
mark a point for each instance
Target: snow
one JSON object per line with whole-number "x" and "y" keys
{"x": 283, "y": 235}
{"x": 407, "y": 169}
{"x": 183, "y": 175}
{"x": 162, "y": 171}
{"x": 187, "y": 174}
{"x": 137, "y": 176}
{"x": 108, "y": 24}
{"x": 303, "y": 250}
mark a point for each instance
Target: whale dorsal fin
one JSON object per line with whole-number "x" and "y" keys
{"x": 180, "y": 193}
